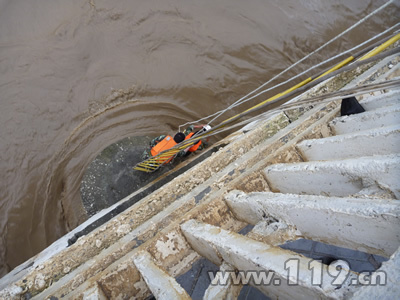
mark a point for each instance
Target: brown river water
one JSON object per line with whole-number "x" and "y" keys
{"x": 76, "y": 76}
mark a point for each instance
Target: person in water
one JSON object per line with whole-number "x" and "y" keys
{"x": 165, "y": 142}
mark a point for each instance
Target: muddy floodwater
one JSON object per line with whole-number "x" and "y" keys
{"x": 77, "y": 76}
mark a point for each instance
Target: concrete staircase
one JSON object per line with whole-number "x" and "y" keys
{"x": 302, "y": 174}
{"x": 358, "y": 173}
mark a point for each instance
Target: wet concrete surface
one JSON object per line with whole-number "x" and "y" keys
{"x": 110, "y": 177}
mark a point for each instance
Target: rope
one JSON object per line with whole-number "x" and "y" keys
{"x": 153, "y": 163}
{"x": 320, "y": 64}
{"x": 318, "y": 49}
{"x": 310, "y": 82}
{"x": 238, "y": 102}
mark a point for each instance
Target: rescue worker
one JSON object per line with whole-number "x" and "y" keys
{"x": 165, "y": 142}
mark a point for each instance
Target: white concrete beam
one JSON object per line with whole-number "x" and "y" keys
{"x": 218, "y": 291}
{"x": 386, "y": 116}
{"x": 247, "y": 255}
{"x": 337, "y": 178}
{"x": 377, "y": 141}
{"x": 372, "y": 102}
{"x": 162, "y": 285}
{"x": 369, "y": 225}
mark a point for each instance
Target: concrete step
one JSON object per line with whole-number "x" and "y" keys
{"x": 377, "y": 141}
{"x": 244, "y": 254}
{"x": 160, "y": 283}
{"x": 382, "y": 117}
{"x": 337, "y": 178}
{"x": 372, "y": 102}
{"x": 363, "y": 224}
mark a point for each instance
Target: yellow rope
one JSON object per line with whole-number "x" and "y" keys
{"x": 381, "y": 47}
{"x": 304, "y": 82}
{"x": 337, "y": 67}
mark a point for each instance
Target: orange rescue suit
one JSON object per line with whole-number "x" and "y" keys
{"x": 195, "y": 146}
{"x": 167, "y": 143}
